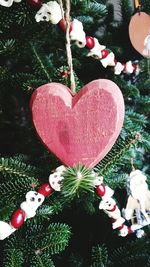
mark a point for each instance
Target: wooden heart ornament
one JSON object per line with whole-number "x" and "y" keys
{"x": 81, "y": 128}
{"x": 139, "y": 32}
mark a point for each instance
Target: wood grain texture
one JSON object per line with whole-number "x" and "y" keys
{"x": 139, "y": 29}
{"x": 80, "y": 128}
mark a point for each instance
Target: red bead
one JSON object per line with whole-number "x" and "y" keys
{"x": 90, "y": 42}
{"x": 17, "y": 218}
{"x": 121, "y": 227}
{"x": 101, "y": 190}
{"x": 134, "y": 67}
{"x": 105, "y": 53}
{"x": 45, "y": 189}
{"x": 124, "y": 66}
{"x": 62, "y": 25}
{"x": 36, "y": 4}
{"x": 129, "y": 230}
{"x": 115, "y": 61}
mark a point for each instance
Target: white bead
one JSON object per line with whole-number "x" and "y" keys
{"x": 109, "y": 60}
{"x": 129, "y": 67}
{"x": 5, "y": 230}
{"x": 118, "y": 68}
{"x": 124, "y": 231}
{"x": 6, "y": 3}
{"x": 96, "y": 50}
{"x": 140, "y": 233}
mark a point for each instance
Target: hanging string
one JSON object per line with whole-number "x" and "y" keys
{"x": 137, "y": 3}
{"x": 61, "y": 7}
{"x": 132, "y": 164}
{"x": 68, "y": 47}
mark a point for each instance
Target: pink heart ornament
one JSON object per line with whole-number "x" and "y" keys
{"x": 81, "y": 128}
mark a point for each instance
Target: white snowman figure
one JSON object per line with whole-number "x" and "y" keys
{"x": 33, "y": 201}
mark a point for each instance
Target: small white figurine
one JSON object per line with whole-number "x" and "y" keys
{"x": 55, "y": 179}
{"x": 33, "y": 201}
{"x": 8, "y": 3}
{"x": 50, "y": 11}
{"x": 77, "y": 33}
{"x": 110, "y": 208}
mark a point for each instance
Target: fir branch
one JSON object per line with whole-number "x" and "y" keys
{"x": 13, "y": 254}
{"x": 40, "y": 62}
{"x": 52, "y": 241}
{"x": 13, "y": 258}
{"x": 12, "y": 168}
{"x": 14, "y": 189}
{"x": 43, "y": 260}
{"x": 53, "y": 206}
{"x": 76, "y": 180}
{"x": 115, "y": 156}
{"x": 7, "y": 47}
{"x": 99, "y": 256}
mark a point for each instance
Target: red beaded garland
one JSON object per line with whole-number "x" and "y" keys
{"x": 45, "y": 190}
{"x": 17, "y": 218}
{"x": 115, "y": 61}
{"x": 124, "y": 67}
{"x": 36, "y": 4}
{"x": 134, "y": 67}
{"x": 62, "y": 25}
{"x": 104, "y": 53}
{"x": 101, "y": 190}
{"x": 90, "y": 42}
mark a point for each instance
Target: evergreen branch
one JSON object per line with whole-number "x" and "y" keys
{"x": 11, "y": 190}
{"x": 7, "y": 47}
{"x": 13, "y": 258}
{"x": 76, "y": 180}
{"x": 99, "y": 256}
{"x": 52, "y": 241}
{"x": 14, "y": 168}
{"x": 43, "y": 260}
{"x": 53, "y": 206}
{"x": 113, "y": 158}
{"x": 13, "y": 254}
{"x": 39, "y": 60}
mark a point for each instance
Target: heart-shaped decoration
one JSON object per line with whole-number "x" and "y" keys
{"x": 139, "y": 32}
{"x": 81, "y": 128}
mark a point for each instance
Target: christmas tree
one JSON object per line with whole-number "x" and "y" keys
{"x": 68, "y": 229}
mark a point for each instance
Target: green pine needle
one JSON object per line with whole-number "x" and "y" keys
{"x": 13, "y": 253}
{"x": 52, "y": 239}
{"x": 77, "y": 180}
{"x": 14, "y": 168}
{"x": 99, "y": 256}
{"x": 43, "y": 260}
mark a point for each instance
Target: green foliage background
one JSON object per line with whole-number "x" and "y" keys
{"x": 68, "y": 230}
